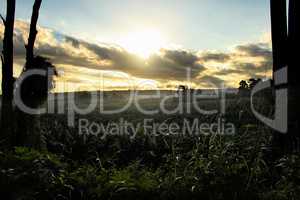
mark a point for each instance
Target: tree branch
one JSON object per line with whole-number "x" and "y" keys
{"x": 33, "y": 32}
{"x": 3, "y": 20}
{"x": 2, "y": 60}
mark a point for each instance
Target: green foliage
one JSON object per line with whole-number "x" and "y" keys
{"x": 163, "y": 167}
{"x": 214, "y": 167}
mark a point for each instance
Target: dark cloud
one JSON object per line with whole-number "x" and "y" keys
{"x": 256, "y": 50}
{"x": 169, "y": 64}
{"x": 102, "y": 52}
{"x": 75, "y": 43}
{"x": 238, "y": 64}
{"x": 224, "y": 72}
{"x": 163, "y": 67}
{"x": 183, "y": 58}
{"x": 59, "y": 56}
{"x": 218, "y": 57}
{"x": 249, "y": 69}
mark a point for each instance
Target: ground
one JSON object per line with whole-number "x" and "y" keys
{"x": 162, "y": 166}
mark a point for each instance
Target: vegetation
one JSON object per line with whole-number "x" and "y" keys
{"x": 211, "y": 167}
{"x": 239, "y": 166}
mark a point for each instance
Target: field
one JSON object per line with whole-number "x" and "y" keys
{"x": 139, "y": 164}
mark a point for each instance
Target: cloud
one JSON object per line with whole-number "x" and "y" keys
{"x": 215, "y": 56}
{"x": 82, "y": 61}
{"x": 244, "y": 61}
{"x": 256, "y": 50}
{"x": 170, "y": 64}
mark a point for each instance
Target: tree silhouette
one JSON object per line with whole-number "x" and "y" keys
{"x": 32, "y": 34}
{"x": 293, "y": 40}
{"x": 293, "y": 75}
{"x": 285, "y": 41}
{"x": 279, "y": 33}
{"x": 7, "y": 58}
{"x": 243, "y": 88}
{"x": 182, "y": 88}
{"x": 33, "y": 89}
{"x": 253, "y": 82}
{"x": 7, "y": 69}
{"x": 243, "y": 84}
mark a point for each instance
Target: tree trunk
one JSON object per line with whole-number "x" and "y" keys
{"x": 7, "y": 71}
{"x": 279, "y": 33}
{"x": 285, "y": 41}
{"x": 28, "y": 133}
{"x": 294, "y": 32}
{"x": 279, "y": 45}
{"x": 32, "y": 34}
{"x": 294, "y": 96}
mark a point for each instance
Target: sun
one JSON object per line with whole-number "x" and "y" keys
{"x": 143, "y": 43}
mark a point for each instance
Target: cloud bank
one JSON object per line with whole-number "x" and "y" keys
{"x": 109, "y": 66}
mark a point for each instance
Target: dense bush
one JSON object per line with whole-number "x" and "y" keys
{"x": 211, "y": 167}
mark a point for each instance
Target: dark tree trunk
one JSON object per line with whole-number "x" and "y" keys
{"x": 32, "y": 34}
{"x": 293, "y": 56}
{"x": 279, "y": 46}
{"x": 294, "y": 15}
{"x": 285, "y": 41}
{"x": 7, "y": 71}
{"x": 279, "y": 33}
{"x": 28, "y": 131}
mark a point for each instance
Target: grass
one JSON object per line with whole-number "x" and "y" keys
{"x": 163, "y": 167}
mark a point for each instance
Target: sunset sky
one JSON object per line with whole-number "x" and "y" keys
{"x": 120, "y": 44}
